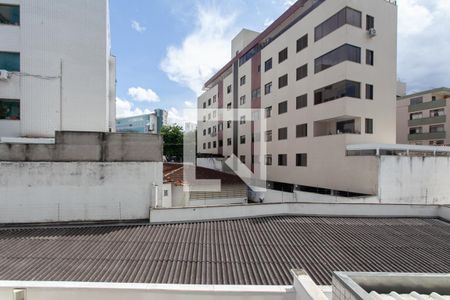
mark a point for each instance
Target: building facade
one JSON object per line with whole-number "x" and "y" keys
{"x": 422, "y": 118}
{"x": 321, "y": 77}
{"x": 148, "y": 123}
{"x": 60, "y": 74}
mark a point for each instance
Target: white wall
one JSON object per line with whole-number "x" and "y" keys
{"x": 53, "y": 192}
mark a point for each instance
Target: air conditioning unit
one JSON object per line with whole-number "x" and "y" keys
{"x": 372, "y": 32}
{"x": 4, "y": 75}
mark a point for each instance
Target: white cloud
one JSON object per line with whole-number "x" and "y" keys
{"x": 187, "y": 115}
{"x": 423, "y": 43}
{"x": 267, "y": 22}
{"x": 189, "y": 104}
{"x": 137, "y": 26}
{"x": 203, "y": 52}
{"x": 143, "y": 95}
{"x": 124, "y": 109}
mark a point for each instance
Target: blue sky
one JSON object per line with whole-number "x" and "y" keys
{"x": 166, "y": 49}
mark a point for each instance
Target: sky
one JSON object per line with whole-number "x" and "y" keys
{"x": 167, "y": 49}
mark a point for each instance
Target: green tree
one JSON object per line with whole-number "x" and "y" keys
{"x": 173, "y": 142}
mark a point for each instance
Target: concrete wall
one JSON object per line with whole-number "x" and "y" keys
{"x": 88, "y": 146}
{"x": 77, "y": 191}
{"x": 414, "y": 180}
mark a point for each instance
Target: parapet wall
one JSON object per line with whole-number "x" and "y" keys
{"x": 88, "y": 147}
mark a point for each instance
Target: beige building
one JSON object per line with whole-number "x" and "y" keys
{"x": 321, "y": 77}
{"x": 422, "y": 118}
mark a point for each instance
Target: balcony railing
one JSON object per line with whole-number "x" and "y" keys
{"x": 427, "y": 105}
{"x": 427, "y": 121}
{"x": 427, "y": 136}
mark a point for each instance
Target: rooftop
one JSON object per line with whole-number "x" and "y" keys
{"x": 432, "y": 91}
{"x": 259, "y": 251}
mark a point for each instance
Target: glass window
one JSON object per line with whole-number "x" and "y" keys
{"x": 209, "y": 145}
{"x": 242, "y": 80}
{"x": 209, "y": 101}
{"x": 437, "y": 128}
{"x": 204, "y": 146}
{"x": 282, "y": 55}
{"x": 283, "y": 81}
{"x": 437, "y": 112}
{"x": 302, "y": 101}
{"x": 345, "y": 126}
{"x": 268, "y": 159}
{"x": 370, "y": 22}
{"x": 416, "y": 130}
{"x": 229, "y": 142}
{"x": 9, "y": 14}
{"x": 268, "y": 88}
{"x": 10, "y": 61}
{"x": 268, "y": 136}
{"x": 302, "y": 72}
{"x": 282, "y": 107}
{"x": 416, "y": 116}
{"x": 343, "y": 53}
{"x": 242, "y": 138}
{"x": 228, "y": 89}
{"x": 9, "y": 109}
{"x": 369, "y": 91}
{"x": 369, "y": 126}
{"x": 301, "y": 160}
{"x": 242, "y": 121}
{"x": 214, "y": 144}
{"x": 282, "y": 159}
{"x": 344, "y": 16}
{"x": 242, "y": 158}
{"x": 242, "y": 100}
{"x": 229, "y": 106}
{"x": 268, "y": 111}
{"x": 282, "y": 133}
{"x": 345, "y": 88}
{"x": 302, "y": 130}
{"x": 370, "y": 57}
{"x": 302, "y": 43}
{"x": 256, "y": 93}
{"x": 416, "y": 100}
{"x": 268, "y": 65}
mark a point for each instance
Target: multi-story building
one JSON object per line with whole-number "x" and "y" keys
{"x": 321, "y": 77}
{"x": 422, "y": 118}
{"x": 148, "y": 123}
{"x": 57, "y": 72}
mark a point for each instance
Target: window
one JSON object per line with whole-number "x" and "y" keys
{"x": 302, "y": 72}
{"x": 166, "y": 193}
{"x": 370, "y": 57}
{"x": 268, "y": 112}
{"x": 228, "y": 124}
{"x": 283, "y": 81}
{"x": 256, "y": 93}
{"x": 345, "y": 16}
{"x": 282, "y": 159}
{"x": 242, "y": 158}
{"x": 369, "y": 126}
{"x": 345, "y": 127}
{"x": 214, "y": 114}
{"x": 204, "y": 132}
{"x": 229, "y": 106}
{"x": 209, "y": 130}
{"x": 228, "y": 89}
{"x": 9, "y": 14}
{"x": 204, "y": 146}
{"x": 369, "y": 91}
{"x": 282, "y": 55}
{"x": 229, "y": 141}
{"x": 345, "y": 88}
{"x": 343, "y": 53}
{"x": 416, "y": 116}
{"x": 301, "y": 160}
{"x": 10, "y": 61}
{"x": 268, "y": 65}
{"x": 9, "y": 109}
{"x": 242, "y": 139}
{"x": 302, "y": 43}
{"x": 209, "y": 102}
{"x": 214, "y": 144}
{"x": 415, "y": 130}
{"x": 209, "y": 145}
{"x": 437, "y": 113}
{"x": 302, "y": 101}
{"x": 416, "y": 100}
{"x": 268, "y": 136}
{"x": 242, "y": 120}
{"x": 268, "y": 88}
{"x": 370, "y": 22}
{"x": 242, "y": 81}
{"x": 242, "y": 100}
{"x": 302, "y": 130}
{"x": 437, "y": 128}
{"x": 282, "y": 107}
{"x": 204, "y": 105}
{"x": 268, "y": 159}
{"x": 214, "y": 99}
{"x": 282, "y": 134}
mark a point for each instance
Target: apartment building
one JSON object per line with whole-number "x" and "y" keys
{"x": 148, "y": 123}
{"x": 422, "y": 118}
{"x": 57, "y": 72}
{"x": 321, "y": 77}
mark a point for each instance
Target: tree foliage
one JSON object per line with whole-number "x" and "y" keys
{"x": 173, "y": 142}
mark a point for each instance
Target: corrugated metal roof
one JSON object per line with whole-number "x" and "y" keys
{"x": 411, "y": 296}
{"x": 257, "y": 251}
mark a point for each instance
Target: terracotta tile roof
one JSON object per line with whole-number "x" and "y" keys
{"x": 175, "y": 173}
{"x": 257, "y": 251}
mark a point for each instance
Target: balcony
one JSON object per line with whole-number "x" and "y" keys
{"x": 427, "y": 136}
{"x": 337, "y": 126}
{"x": 427, "y": 105}
{"x": 427, "y": 121}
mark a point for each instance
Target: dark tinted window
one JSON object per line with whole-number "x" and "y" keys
{"x": 301, "y": 160}
{"x": 344, "y": 16}
{"x": 228, "y": 89}
{"x": 282, "y": 133}
{"x": 370, "y": 57}
{"x": 283, "y": 81}
{"x": 369, "y": 126}
{"x": 9, "y": 14}
{"x": 9, "y": 109}
{"x": 302, "y": 130}
{"x": 370, "y": 22}
{"x": 282, "y": 107}
{"x": 242, "y": 138}
{"x": 302, "y": 43}
{"x": 283, "y": 55}
{"x": 369, "y": 91}
{"x": 344, "y": 53}
{"x": 338, "y": 90}
{"x": 10, "y": 61}
{"x": 302, "y": 101}
{"x": 268, "y": 88}
{"x": 282, "y": 159}
{"x": 302, "y": 72}
{"x": 417, "y": 100}
{"x": 268, "y": 65}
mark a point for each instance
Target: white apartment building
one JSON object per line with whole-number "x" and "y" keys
{"x": 422, "y": 118}
{"x": 60, "y": 74}
{"x": 321, "y": 77}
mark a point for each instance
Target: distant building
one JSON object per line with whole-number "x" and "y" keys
{"x": 190, "y": 126}
{"x": 148, "y": 123}
{"x": 56, "y": 70}
{"x": 422, "y": 118}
